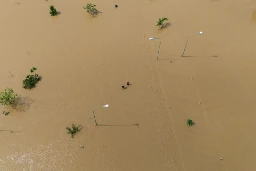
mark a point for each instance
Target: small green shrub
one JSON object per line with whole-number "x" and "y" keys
{"x": 160, "y": 22}
{"x": 31, "y": 81}
{"x": 73, "y": 130}
{"x": 91, "y": 9}
{"x": 53, "y": 11}
{"x": 7, "y": 96}
{"x": 190, "y": 122}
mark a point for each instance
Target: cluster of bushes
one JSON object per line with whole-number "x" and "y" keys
{"x": 93, "y": 11}
{"x": 90, "y": 8}
{"x": 8, "y": 96}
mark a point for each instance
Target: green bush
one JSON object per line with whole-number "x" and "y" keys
{"x": 73, "y": 130}
{"x": 91, "y": 9}
{"x": 160, "y": 22}
{"x": 31, "y": 81}
{"x": 53, "y": 11}
{"x": 190, "y": 122}
{"x": 7, "y": 96}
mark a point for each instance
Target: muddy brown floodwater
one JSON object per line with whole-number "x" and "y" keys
{"x": 85, "y": 60}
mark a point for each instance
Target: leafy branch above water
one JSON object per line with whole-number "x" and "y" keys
{"x": 73, "y": 130}
{"x": 160, "y": 22}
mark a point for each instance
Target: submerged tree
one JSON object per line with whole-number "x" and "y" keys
{"x": 91, "y": 9}
{"x": 30, "y": 81}
{"x": 73, "y": 130}
{"x": 53, "y": 11}
{"x": 160, "y": 22}
{"x": 7, "y": 96}
{"x": 190, "y": 122}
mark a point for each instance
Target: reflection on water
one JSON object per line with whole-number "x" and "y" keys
{"x": 55, "y": 155}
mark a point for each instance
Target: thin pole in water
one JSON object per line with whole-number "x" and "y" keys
{"x": 93, "y": 112}
{"x": 188, "y": 40}
{"x": 95, "y": 122}
{"x": 158, "y": 50}
{"x": 185, "y": 47}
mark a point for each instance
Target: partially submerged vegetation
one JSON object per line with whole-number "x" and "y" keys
{"x": 31, "y": 80}
{"x": 190, "y": 122}
{"x": 53, "y": 11}
{"x": 91, "y": 9}
{"x": 160, "y": 22}
{"x": 73, "y": 130}
{"x": 7, "y": 96}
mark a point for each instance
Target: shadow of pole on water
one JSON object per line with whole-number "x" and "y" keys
{"x": 11, "y": 131}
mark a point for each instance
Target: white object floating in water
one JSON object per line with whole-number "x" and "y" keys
{"x": 221, "y": 158}
{"x": 105, "y": 105}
